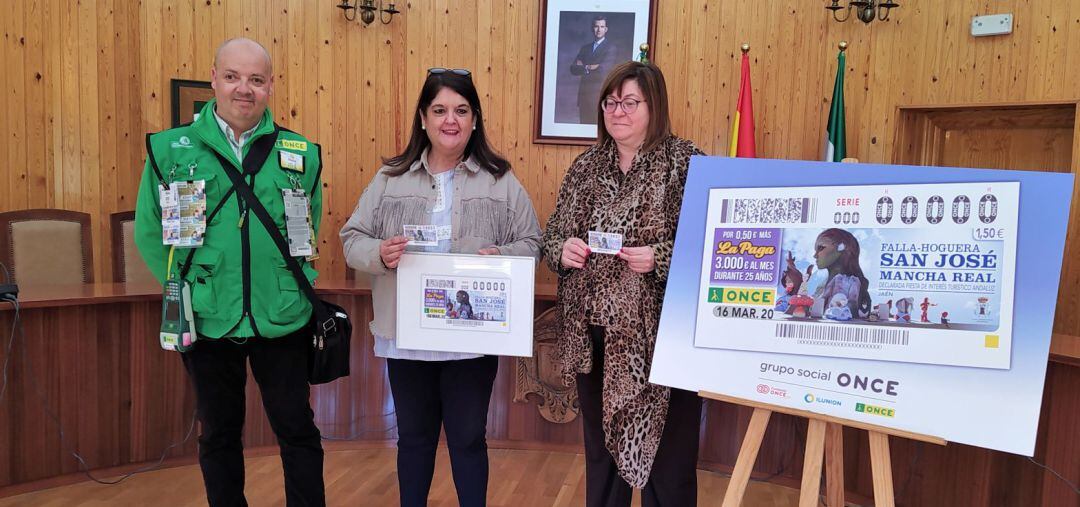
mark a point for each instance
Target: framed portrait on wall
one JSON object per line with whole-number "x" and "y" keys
{"x": 579, "y": 43}
{"x": 188, "y": 98}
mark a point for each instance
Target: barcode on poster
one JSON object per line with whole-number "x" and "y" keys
{"x": 801, "y": 210}
{"x": 843, "y": 336}
{"x": 434, "y": 283}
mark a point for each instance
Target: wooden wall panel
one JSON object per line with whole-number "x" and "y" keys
{"x": 85, "y": 81}
{"x": 72, "y": 126}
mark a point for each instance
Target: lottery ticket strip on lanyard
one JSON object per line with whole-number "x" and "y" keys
{"x": 183, "y": 224}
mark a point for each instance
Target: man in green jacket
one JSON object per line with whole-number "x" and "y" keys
{"x": 246, "y": 303}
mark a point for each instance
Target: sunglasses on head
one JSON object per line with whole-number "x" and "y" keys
{"x": 441, "y": 70}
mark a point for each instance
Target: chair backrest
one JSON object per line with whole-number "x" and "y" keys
{"x": 47, "y": 246}
{"x": 128, "y": 265}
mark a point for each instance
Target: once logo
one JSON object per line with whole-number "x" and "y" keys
{"x": 183, "y": 142}
{"x": 875, "y": 410}
{"x": 758, "y": 297}
{"x": 763, "y": 389}
{"x": 861, "y": 383}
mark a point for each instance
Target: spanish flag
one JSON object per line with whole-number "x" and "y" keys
{"x": 742, "y": 126}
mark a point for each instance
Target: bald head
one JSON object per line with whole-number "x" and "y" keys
{"x": 243, "y": 81}
{"x": 243, "y": 44}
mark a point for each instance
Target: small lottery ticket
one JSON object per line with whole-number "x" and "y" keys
{"x": 422, "y": 235}
{"x": 183, "y": 213}
{"x": 605, "y": 242}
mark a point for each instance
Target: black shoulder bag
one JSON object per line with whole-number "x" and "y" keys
{"x": 331, "y": 328}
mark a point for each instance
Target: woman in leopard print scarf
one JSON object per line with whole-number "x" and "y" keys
{"x": 637, "y": 434}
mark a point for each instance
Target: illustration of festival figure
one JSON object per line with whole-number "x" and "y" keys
{"x": 835, "y": 287}
{"x": 843, "y": 296}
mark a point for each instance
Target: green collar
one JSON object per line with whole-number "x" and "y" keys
{"x": 207, "y": 130}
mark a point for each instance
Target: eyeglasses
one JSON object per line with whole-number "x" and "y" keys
{"x": 441, "y": 70}
{"x": 628, "y": 105}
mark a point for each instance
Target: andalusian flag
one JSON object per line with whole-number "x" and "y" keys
{"x": 835, "y": 136}
{"x": 742, "y": 126}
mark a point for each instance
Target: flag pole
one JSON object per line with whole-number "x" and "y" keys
{"x": 835, "y": 131}
{"x": 742, "y": 125}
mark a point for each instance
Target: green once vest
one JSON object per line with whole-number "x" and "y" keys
{"x": 240, "y": 286}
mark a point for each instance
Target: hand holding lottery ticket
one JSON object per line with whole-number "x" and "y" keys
{"x": 574, "y": 253}
{"x": 390, "y": 250}
{"x": 639, "y": 259}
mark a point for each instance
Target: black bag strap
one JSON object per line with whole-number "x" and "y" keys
{"x": 153, "y": 161}
{"x": 256, "y": 157}
{"x": 325, "y": 326}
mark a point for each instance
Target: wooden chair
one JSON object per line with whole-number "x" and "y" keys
{"x": 47, "y": 246}
{"x": 128, "y": 265}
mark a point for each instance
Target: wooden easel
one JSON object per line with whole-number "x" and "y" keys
{"x": 824, "y": 435}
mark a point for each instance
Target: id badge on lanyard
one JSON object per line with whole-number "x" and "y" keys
{"x": 298, "y": 225}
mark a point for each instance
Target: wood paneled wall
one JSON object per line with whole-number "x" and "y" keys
{"x": 71, "y": 109}
{"x": 84, "y": 81}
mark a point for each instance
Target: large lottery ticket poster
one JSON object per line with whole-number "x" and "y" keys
{"x": 917, "y": 298}
{"x": 917, "y": 273}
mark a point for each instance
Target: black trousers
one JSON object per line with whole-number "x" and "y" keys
{"x": 454, "y": 394}
{"x": 218, "y": 372}
{"x": 673, "y": 480}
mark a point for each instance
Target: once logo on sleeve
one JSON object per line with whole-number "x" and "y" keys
{"x": 294, "y": 145}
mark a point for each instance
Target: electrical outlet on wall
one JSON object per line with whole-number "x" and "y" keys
{"x": 994, "y": 24}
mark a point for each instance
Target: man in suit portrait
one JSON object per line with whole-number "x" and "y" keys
{"x": 593, "y": 62}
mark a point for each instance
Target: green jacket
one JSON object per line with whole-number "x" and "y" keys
{"x": 240, "y": 286}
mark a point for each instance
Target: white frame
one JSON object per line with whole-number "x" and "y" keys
{"x": 518, "y": 341}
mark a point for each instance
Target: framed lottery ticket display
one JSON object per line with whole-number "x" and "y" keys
{"x": 914, "y": 298}
{"x": 480, "y": 304}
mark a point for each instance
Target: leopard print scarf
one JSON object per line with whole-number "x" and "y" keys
{"x": 643, "y": 206}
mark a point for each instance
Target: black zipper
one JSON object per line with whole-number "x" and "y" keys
{"x": 245, "y": 259}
